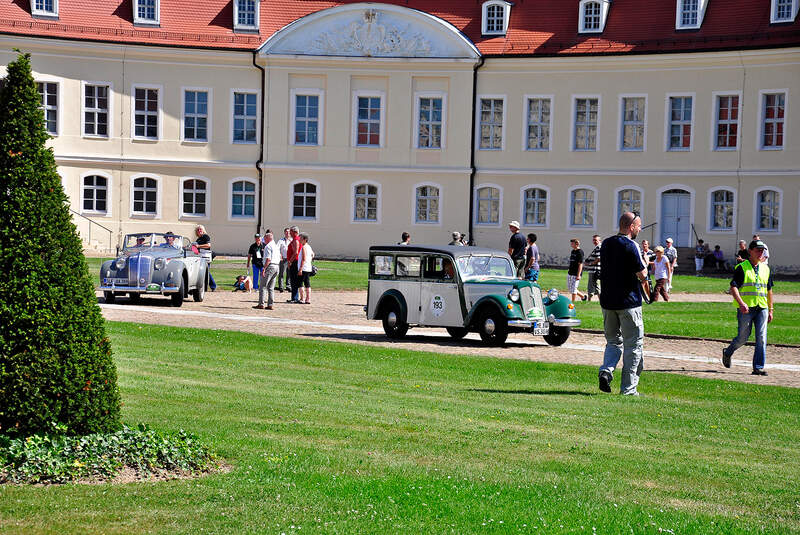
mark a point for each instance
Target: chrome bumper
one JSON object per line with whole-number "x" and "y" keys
{"x": 564, "y": 322}
{"x": 148, "y": 289}
{"x": 520, "y": 324}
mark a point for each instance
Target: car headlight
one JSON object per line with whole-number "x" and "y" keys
{"x": 120, "y": 263}
{"x": 514, "y": 295}
{"x": 159, "y": 263}
{"x": 552, "y": 294}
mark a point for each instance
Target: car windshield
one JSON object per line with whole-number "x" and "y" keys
{"x": 474, "y": 267}
{"x": 146, "y": 241}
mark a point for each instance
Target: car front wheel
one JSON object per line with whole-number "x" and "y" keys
{"x": 177, "y": 297}
{"x": 109, "y": 297}
{"x": 492, "y": 327}
{"x": 134, "y": 297}
{"x": 457, "y": 332}
{"x": 557, "y": 335}
{"x": 393, "y": 324}
{"x": 199, "y": 292}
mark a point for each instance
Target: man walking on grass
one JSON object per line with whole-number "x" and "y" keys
{"x": 621, "y": 301}
{"x": 269, "y": 273}
{"x": 751, "y": 289}
{"x": 593, "y": 268}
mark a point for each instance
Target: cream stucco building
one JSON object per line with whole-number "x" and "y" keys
{"x": 361, "y": 121}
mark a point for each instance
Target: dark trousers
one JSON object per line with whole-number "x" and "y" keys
{"x": 294, "y": 280}
{"x": 661, "y": 288}
{"x": 283, "y": 275}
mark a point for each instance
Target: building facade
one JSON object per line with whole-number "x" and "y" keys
{"x": 358, "y": 121}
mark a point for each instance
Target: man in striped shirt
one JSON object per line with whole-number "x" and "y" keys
{"x": 593, "y": 267}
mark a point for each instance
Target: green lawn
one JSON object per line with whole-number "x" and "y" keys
{"x": 337, "y": 438}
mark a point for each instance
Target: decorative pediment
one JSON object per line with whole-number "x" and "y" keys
{"x": 370, "y": 30}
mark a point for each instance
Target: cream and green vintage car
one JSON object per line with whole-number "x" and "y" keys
{"x": 462, "y": 289}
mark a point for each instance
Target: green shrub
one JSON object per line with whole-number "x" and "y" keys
{"x": 57, "y": 458}
{"x": 55, "y": 359}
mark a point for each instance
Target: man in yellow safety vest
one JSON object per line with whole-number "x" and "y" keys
{"x": 751, "y": 289}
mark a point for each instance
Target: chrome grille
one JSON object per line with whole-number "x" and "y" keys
{"x": 138, "y": 268}
{"x": 528, "y": 300}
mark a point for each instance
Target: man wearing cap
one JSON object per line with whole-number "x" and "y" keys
{"x": 516, "y": 248}
{"x": 751, "y": 289}
{"x": 672, "y": 256}
{"x": 255, "y": 255}
{"x": 456, "y": 239}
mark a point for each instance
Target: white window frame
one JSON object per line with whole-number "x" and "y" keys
{"x": 159, "y": 116}
{"x": 573, "y": 129}
{"x": 701, "y": 13}
{"x": 506, "y": 16}
{"x": 526, "y": 117}
{"x": 502, "y": 126}
{"x": 43, "y": 12}
{"x": 620, "y": 189}
{"x": 668, "y": 122}
{"x": 57, "y": 81}
{"x": 309, "y": 92}
{"x": 621, "y": 124}
{"x": 368, "y": 93}
{"x": 522, "y": 206}
{"x": 570, "y": 226}
{"x": 757, "y": 211}
{"x": 109, "y": 110}
{"x": 499, "y": 188}
{"x": 379, "y": 199}
{"x": 762, "y": 95}
{"x": 715, "y": 96}
{"x": 150, "y": 22}
{"x": 251, "y": 27}
{"x": 414, "y": 219}
{"x": 209, "y": 115}
{"x": 604, "y": 7}
{"x": 773, "y": 12}
{"x": 710, "y": 209}
{"x": 430, "y": 94}
{"x": 313, "y": 182}
{"x": 159, "y": 196}
{"x": 97, "y": 213}
{"x": 231, "y": 116}
{"x": 194, "y": 217}
{"x": 256, "y": 204}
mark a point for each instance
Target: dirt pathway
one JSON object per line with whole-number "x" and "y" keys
{"x": 339, "y": 316}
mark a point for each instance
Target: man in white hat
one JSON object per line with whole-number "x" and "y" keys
{"x": 456, "y": 239}
{"x": 672, "y": 256}
{"x": 516, "y": 248}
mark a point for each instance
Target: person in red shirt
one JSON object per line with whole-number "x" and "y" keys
{"x": 291, "y": 256}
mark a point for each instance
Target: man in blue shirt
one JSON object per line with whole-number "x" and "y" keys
{"x": 621, "y": 301}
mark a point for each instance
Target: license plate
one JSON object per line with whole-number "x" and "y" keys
{"x": 540, "y": 328}
{"x": 119, "y": 282}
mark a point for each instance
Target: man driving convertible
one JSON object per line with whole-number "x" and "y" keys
{"x": 169, "y": 240}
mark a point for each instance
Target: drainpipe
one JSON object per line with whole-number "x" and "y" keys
{"x": 473, "y": 142}
{"x": 260, "y": 161}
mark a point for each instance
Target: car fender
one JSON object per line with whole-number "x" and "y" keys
{"x": 394, "y": 295}
{"x": 560, "y": 308}
{"x": 498, "y": 302}
{"x": 173, "y": 272}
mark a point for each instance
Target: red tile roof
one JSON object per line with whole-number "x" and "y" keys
{"x": 536, "y": 27}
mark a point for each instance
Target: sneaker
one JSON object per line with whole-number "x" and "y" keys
{"x": 759, "y": 371}
{"x": 726, "y": 359}
{"x": 585, "y": 298}
{"x": 605, "y": 381}
{"x": 259, "y": 307}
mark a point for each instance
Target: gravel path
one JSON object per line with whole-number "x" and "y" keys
{"x": 339, "y": 316}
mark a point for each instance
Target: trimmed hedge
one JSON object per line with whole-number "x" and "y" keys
{"x": 55, "y": 358}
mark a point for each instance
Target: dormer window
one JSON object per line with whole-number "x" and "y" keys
{"x": 495, "y": 17}
{"x": 689, "y": 14}
{"x": 245, "y": 14}
{"x": 783, "y": 11}
{"x": 145, "y": 11}
{"x": 44, "y": 8}
{"x": 592, "y": 15}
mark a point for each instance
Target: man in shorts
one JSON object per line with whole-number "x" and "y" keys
{"x": 575, "y": 270}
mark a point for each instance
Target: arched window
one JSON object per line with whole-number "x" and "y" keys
{"x": 535, "y": 207}
{"x": 488, "y": 204}
{"x": 304, "y": 201}
{"x": 721, "y": 209}
{"x": 629, "y": 200}
{"x": 582, "y": 207}
{"x": 194, "y": 197}
{"x": 427, "y": 204}
{"x": 95, "y": 194}
{"x": 768, "y": 210}
{"x": 591, "y": 16}
{"x": 495, "y": 17}
{"x": 145, "y": 195}
{"x": 243, "y": 199}
{"x": 365, "y": 202}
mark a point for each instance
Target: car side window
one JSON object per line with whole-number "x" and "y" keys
{"x": 382, "y": 265}
{"x": 408, "y": 266}
{"x": 439, "y": 268}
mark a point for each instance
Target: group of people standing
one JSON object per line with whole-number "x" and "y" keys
{"x": 286, "y": 263}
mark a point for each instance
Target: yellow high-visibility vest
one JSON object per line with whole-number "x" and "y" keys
{"x": 754, "y": 289}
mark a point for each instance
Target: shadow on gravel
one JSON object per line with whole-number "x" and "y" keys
{"x": 438, "y": 340}
{"x": 683, "y": 370}
{"x": 534, "y": 392}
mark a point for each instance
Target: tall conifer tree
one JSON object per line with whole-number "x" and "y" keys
{"x": 55, "y": 359}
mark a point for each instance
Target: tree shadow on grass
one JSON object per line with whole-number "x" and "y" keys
{"x": 419, "y": 339}
{"x": 533, "y": 392}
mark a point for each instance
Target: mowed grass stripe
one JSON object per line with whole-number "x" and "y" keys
{"x": 342, "y": 438}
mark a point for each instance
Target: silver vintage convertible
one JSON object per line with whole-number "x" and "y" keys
{"x": 155, "y": 263}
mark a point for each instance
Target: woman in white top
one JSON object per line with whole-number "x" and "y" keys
{"x": 662, "y": 269}
{"x": 304, "y": 259}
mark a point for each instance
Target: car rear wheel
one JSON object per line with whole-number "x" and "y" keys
{"x": 557, "y": 335}
{"x": 492, "y": 327}
{"x": 109, "y": 297}
{"x": 199, "y": 292}
{"x": 134, "y": 297}
{"x": 177, "y": 297}
{"x": 457, "y": 332}
{"x": 393, "y": 324}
